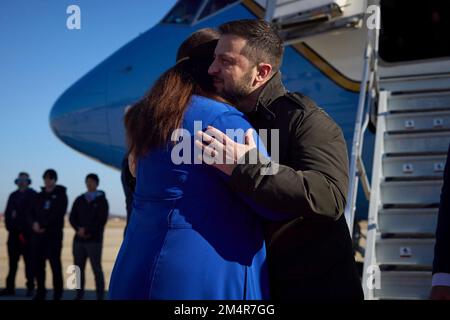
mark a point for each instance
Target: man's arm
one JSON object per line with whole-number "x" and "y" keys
{"x": 315, "y": 183}
{"x": 100, "y": 219}
{"x": 73, "y": 217}
{"x": 215, "y": 137}
{"x": 58, "y": 211}
{"x": 8, "y": 213}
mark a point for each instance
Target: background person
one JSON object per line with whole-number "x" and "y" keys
{"x": 18, "y": 208}
{"x": 88, "y": 217}
{"x": 47, "y": 221}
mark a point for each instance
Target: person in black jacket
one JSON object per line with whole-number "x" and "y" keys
{"x": 88, "y": 217}
{"x": 47, "y": 220}
{"x": 18, "y": 209}
{"x": 441, "y": 265}
{"x": 310, "y": 253}
{"x": 128, "y": 185}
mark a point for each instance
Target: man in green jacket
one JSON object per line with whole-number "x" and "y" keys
{"x": 309, "y": 246}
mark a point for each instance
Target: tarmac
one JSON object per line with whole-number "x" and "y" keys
{"x": 111, "y": 243}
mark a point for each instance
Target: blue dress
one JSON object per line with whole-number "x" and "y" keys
{"x": 189, "y": 236}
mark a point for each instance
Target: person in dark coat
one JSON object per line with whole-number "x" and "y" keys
{"x": 18, "y": 208}
{"x": 441, "y": 265}
{"x": 309, "y": 250}
{"x": 88, "y": 217}
{"x": 47, "y": 220}
{"x": 128, "y": 185}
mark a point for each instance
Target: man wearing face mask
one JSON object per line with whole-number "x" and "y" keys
{"x": 47, "y": 222}
{"x": 20, "y": 202}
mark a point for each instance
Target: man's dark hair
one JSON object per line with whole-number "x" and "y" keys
{"x": 94, "y": 177}
{"x": 263, "y": 42}
{"x": 23, "y": 174}
{"x": 50, "y": 173}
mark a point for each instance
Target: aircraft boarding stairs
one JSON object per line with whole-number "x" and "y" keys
{"x": 411, "y": 143}
{"x": 412, "y": 139}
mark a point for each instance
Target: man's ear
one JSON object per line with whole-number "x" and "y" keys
{"x": 264, "y": 72}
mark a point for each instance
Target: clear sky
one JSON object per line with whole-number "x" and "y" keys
{"x": 39, "y": 59}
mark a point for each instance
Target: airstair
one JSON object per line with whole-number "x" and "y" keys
{"x": 412, "y": 116}
{"x": 296, "y": 19}
{"x": 412, "y": 139}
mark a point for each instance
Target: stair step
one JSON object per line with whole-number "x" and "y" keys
{"x": 412, "y": 152}
{"x": 410, "y": 205}
{"x": 416, "y": 154}
{"x": 414, "y": 179}
{"x": 407, "y": 132}
{"x": 404, "y": 285}
{"x": 404, "y": 267}
{"x": 419, "y": 102}
{"x": 404, "y": 221}
{"x": 414, "y": 166}
{"x": 417, "y": 252}
{"x": 412, "y": 122}
{"x": 410, "y": 192}
{"x": 417, "y": 142}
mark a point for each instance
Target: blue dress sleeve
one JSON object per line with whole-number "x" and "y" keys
{"x": 233, "y": 120}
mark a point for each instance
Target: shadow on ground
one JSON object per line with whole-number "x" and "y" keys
{"x": 68, "y": 295}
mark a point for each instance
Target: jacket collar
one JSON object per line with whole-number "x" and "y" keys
{"x": 273, "y": 89}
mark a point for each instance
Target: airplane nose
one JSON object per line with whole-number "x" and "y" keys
{"x": 79, "y": 116}
{"x": 88, "y": 116}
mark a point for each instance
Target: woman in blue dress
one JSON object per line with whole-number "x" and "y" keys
{"x": 190, "y": 236}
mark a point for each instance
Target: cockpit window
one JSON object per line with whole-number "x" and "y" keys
{"x": 215, "y": 5}
{"x": 184, "y": 12}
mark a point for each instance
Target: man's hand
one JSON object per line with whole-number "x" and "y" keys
{"x": 222, "y": 152}
{"x": 440, "y": 293}
{"x": 37, "y": 228}
{"x": 82, "y": 233}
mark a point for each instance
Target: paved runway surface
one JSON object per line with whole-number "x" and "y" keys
{"x": 111, "y": 244}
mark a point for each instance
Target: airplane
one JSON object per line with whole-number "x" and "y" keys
{"x": 325, "y": 58}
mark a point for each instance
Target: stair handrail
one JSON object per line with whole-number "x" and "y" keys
{"x": 369, "y": 84}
